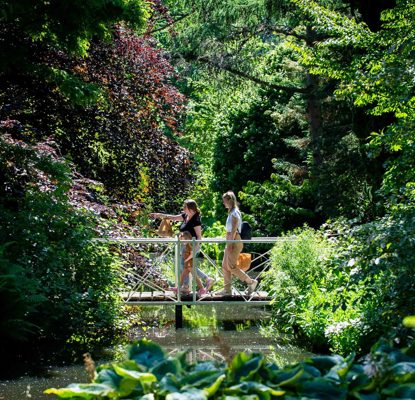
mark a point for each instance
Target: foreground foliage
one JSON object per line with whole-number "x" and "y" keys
{"x": 149, "y": 374}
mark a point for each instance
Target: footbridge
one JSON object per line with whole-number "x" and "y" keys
{"x": 152, "y": 269}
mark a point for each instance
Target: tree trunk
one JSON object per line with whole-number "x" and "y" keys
{"x": 313, "y": 99}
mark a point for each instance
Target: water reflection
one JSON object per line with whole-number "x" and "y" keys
{"x": 209, "y": 333}
{"x": 218, "y": 333}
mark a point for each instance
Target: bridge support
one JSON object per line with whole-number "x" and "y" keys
{"x": 179, "y": 316}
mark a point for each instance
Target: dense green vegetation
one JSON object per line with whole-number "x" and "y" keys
{"x": 148, "y": 373}
{"x": 314, "y": 122}
{"x": 57, "y": 286}
{"x": 88, "y": 115}
{"x": 112, "y": 109}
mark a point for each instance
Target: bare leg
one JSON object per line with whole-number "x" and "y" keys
{"x": 227, "y": 274}
{"x": 232, "y": 261}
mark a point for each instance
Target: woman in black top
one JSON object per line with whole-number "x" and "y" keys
{"x": 192, "y": 223}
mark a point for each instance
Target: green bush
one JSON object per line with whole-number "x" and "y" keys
{"x": 149, "y": 374}
{"x": 310, "y": 298}
{"x": 343, "y": 287}
{"x": 57, "y": 284}
{"x": 279, "y": 204}
{"x": 297, "y": 264}
{"x": 376, "y": 260}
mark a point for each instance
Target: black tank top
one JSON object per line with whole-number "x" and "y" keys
{"x": 189, "y": 225}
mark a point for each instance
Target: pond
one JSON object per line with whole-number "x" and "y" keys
{"x": 209, "y": 333}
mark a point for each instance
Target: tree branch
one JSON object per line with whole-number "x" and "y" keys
{"x": 284, "y": 30}
{"x": 244, "y": 75}
{"x": 170, "y": 23}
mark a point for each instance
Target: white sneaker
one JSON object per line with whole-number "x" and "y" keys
{"x": 209, "y": 283}
{"x": 223, "y": 293}
{"x": 252, "y": 286}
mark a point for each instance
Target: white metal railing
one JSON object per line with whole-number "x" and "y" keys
{"x": 260, "y": 259}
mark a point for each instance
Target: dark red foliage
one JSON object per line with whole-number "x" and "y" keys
{"x": 125, "y": 140}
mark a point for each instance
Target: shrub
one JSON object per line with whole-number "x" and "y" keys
{"x": 59, "y": 285}
{"x": 297, "y": 263}
{"x": 344, "y": 292}
{"x": 376, "y": 261}
{"x": 310, "y": 298}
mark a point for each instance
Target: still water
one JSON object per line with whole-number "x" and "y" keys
{"x": 208, "y": 333}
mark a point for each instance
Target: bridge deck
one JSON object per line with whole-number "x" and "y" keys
{"x": 170, "y": 297}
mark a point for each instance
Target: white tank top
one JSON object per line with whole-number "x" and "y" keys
{"x": 237, "y": 214}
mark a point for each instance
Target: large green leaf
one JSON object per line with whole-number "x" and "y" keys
{"x": 322, "y": 389}
{"x": 383, "y": 348}
{"x": 149, "y": 396}
{"x": 86, "y": 391}
{"x": 357, "y": 379}
{"x": 168, "y": 384}
{"x": 403, "y": 372}
{"x": 244, "y": 366}
{"x": 404, "y": 391}
{"x": 311, "y": 370}
{"x": 200, "y": 377}
{"x": 108, "y": 377}
{"x": 190, "y": 394}
{"x": 340, "y": 370}
{"x": 325, "y": 363}
{"x": 287, "y": 376}
{"x": 168, "y": 365}
{"x": 131, "y": 378}
{"x": 364, "y": 396}
{"x": 262, "y": 391}
{"x": 146, "y": 353}
{"x": 211, "y": 390}
{"x": 205, "y": 366}
{"x": 409, "y": 322}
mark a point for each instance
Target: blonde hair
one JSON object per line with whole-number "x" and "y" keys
{"x": 192, "y": 205}
{"x": 186, "y": 235}
{"x": 230, "y": 196}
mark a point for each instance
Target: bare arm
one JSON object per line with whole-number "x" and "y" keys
{"x": 198, "y": 230}
{"x": 171, "y": 217}
{"x": 190, "y": 257}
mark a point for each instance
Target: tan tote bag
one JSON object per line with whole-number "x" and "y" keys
{"x": 165, "y": 228}
{"x": 244, "y": 261}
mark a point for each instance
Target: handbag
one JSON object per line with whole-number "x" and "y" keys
{"x": 244, "y": 261}
{"x": 165, "y": 228}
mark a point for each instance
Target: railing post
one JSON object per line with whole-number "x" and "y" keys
{"x": 177, "y": 258}
{"x": 177, "y": 261}
{"x": 194, "y": 269}
{"x": 179, "y": 316}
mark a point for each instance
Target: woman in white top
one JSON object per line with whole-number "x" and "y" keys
{"x": 232, "y": 250}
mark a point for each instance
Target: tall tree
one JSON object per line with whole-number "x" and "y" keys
{"x": 380, "y": 77}
{"x": 114, "y": 111}
{"x": 245, "y": 40}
